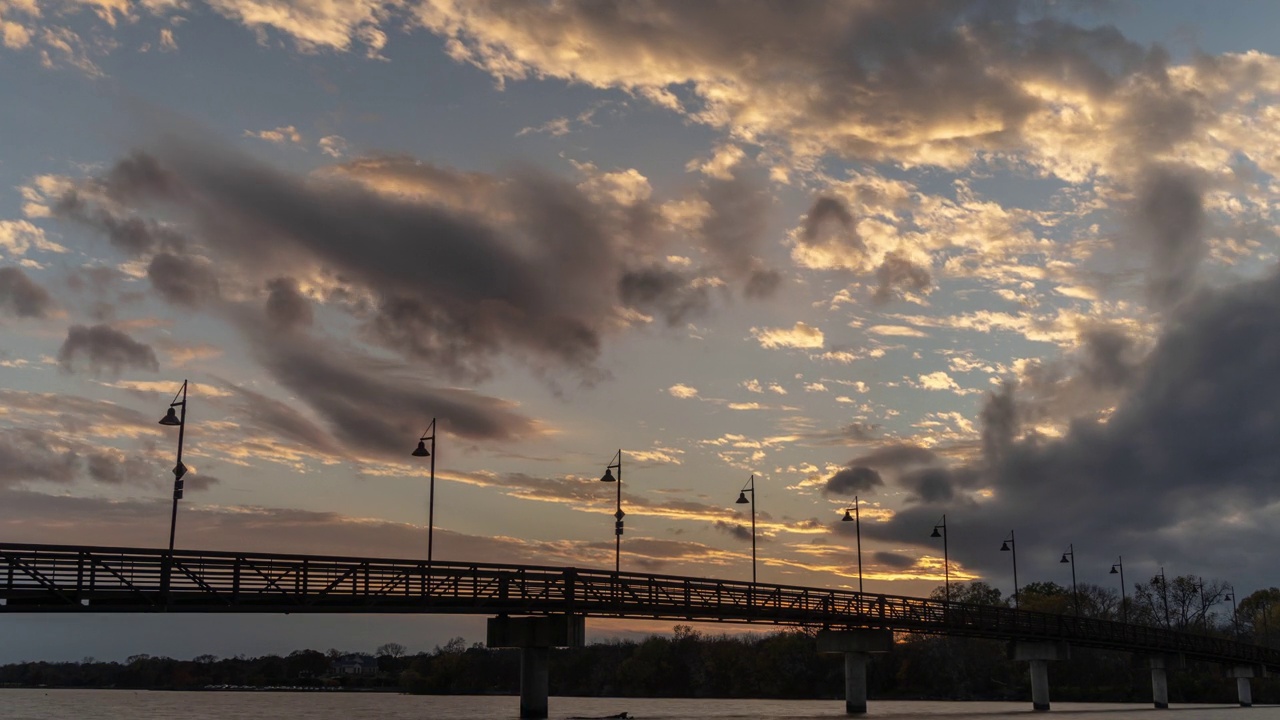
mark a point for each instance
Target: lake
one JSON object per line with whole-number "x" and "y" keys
{"x": 144, "y": 705}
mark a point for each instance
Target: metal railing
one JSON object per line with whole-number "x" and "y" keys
{"x": 58, "y": 578}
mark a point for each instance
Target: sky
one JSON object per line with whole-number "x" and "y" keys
{"x": 1011, "y": 263}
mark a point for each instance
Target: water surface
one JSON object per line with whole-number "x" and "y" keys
{"x": 144, "y": 705}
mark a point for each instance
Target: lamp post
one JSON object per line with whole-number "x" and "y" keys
{"x": 1235, "y": 618}
{"x": 618, "y": 515}
{"x": 1010, "y": 546}
{"x": 946, "y": 557}
{"x": 179, "y": 419}
{"x": 1204, "y": 609}
{"x": 1124, "y": 602}
{"x": 750, "y": 487}
{"x": 1070, "y": 557}
{"x": 1164, "y": 593}
{"x": 422, "y": 451}
{"x": 856, "y": 519}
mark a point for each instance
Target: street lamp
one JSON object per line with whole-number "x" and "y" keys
{"x": 1124, "y": 603}
{"x": 1164, "y": 593}
{"x": 422, "y": 451}
{"x": 1070, "y": 557}
{"x": 1011, "y": 546}
{"x": 618, "y": 515}
{"x": 946, "y": 557}
{"x": 856, "y": 519}
{"x": 1235, "y": 618}
{"x": 750, "y": 487}
{"x": 179, "y": 419}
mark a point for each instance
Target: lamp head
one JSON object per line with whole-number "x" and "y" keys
{"x": 1064, "y": 558}
{"x": 608, "y": 476}
{"x": 170, "y": 418}
{"x": 935, "y": 532}
{"x": 742, "y": 498}
{"x": 1004, "y": 546}
{"x": 848, "y": 517}
{"x": 421, "y": 450}
{"x": 1114, "y": 570}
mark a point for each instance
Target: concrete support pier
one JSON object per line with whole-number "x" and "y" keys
{"x": 1038, "y": 655}
{"x": 855, "y": 645}
{"x": 1242, "y": 674}
{"x": 1159, "y": 683}
{"x": 535, "y": 636}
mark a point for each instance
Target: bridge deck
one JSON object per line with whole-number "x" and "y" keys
{"x": 57, "y": 578}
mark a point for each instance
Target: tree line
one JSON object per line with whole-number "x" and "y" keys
{"x": 689, "y": 663}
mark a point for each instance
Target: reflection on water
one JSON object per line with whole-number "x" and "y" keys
{"x": 143, "y": 705}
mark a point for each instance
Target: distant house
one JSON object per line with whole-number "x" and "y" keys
{"x": 355, "y": 664}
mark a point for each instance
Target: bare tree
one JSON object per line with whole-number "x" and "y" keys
{"x": 391, "y": 649}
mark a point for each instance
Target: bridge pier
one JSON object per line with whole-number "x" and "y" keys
{"x": 1160, "y": 665}
{"x": 1159, "y": 683}
{"x": 855, "y": 645}
{"x": 1038, "y": 655}
{"x": 1242, "y": 674}
{"x": 535, "y": 636}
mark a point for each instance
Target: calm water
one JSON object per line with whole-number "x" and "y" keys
{"x": 113, "y": 704}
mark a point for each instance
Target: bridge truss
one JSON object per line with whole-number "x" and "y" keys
{"x": 63, "y": 578}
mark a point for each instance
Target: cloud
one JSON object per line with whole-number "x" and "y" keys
{"x": 21, "y": 296}
{"x": 798, "y": 336}
{"x": 312, "y": 27}
{"x": 852, "y": 480}
{"x": 19, "y": 237}
{"x": 287, "y": 308}
{"x": 454, "y": 269}
{"x": 373, "y": 405}
{"x": 733, "y": 231}
{"x": 335, "y": 146}
{"x": 183, "y": 280}
{"x": 912, "y": 83}
{"x": 1184, "y": 460}
{"x": 684, "y": 392}
{"x": 1170, "y": 220}
{"x": 898, "y": 273}
{"x": 282, "y": 134}
{"x": 103, "y": 349}
{"x": 939, "y": 380}
{"x": 896, "y": 331}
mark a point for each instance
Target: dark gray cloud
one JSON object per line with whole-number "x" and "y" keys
{"x": 738, "y": 531}
{"x": 130, "y": 234}
{"x": 183, "y": 280}
{"x": 999, "y": 418}
{"x": 897, "y": 561}
{"x": 828, "y": 221}
{"x": 286, "y": 307}
{"x": 102, "y": 349}
{"x": 371, "y": 405}
{"x": 664, "y": 291}
{"x": 1190, "y": 444}
{"x": 898, "y": 273}
{"x": 852, "y": 480}
{"x": 21, "y": 296}
{"x": 1109, "y": 358}
{"x": 854, "y": 433}
{"x": 271, "y": 415}
{"x": 896, "y": 457}
{"x": 28, "y": 455}
{"x": 1170, "y": 221}
{"x": 735, "y": 229}
{"x": 447, "y": 268}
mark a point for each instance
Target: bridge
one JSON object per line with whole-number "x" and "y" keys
{"x": 536, "y": 607}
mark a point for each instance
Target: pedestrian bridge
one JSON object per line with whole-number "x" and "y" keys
{"x": 63, "y": 578}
